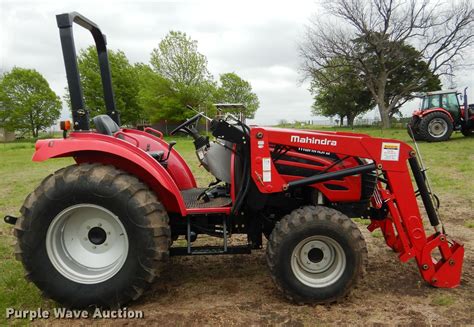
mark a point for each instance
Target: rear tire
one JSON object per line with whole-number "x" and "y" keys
{"x": 316, "y": 255}
{"x": 92, "y": 235}
{"x": 467, "y": 132}
{"x": 435, "y": 127}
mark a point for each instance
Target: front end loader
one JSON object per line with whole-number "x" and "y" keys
{"x": 98, "y": 233}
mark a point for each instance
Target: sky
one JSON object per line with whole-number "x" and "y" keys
{"x": 258, "y": 40}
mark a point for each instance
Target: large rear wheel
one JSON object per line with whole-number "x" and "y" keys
{"x": 316, "y": 255}
{"x": 435, "y": 127}
{"x": 92, "y": 235}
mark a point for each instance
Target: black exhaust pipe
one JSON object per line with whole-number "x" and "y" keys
{"x": 466, "y": 108}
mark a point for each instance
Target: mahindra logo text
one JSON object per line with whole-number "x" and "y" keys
{"x": 312, "y": 140}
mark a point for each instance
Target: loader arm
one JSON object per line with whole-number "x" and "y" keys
{"x": 402, "y": 226}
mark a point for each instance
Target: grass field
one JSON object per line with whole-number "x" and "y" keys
{"x": 451, "y": 169}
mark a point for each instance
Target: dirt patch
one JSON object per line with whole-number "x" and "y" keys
{"x": 231, "y": 290}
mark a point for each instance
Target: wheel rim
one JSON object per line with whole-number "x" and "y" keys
{"x": 318, "y": 261}
{"x": 438, "y": 127}
{"x": 87, "y": 243}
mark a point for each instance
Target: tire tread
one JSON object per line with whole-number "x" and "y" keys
{"x": 153, "y": 217}
{"x": 299, "y": 218}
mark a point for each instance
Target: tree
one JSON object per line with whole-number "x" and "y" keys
{"x": 414, "y": 74}
{"x": 373, "y": 35}
{"x": 179, "y": 77}
{"x": 161, "y": 100}
{"x": 340, "y": 91}
{"x": 177, "y": 59}
{"x": 124, "y": 82}
{"x": 28, "y": 103}
{"x": 234, "y": 89}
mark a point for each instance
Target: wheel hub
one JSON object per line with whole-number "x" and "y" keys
{"x": 318, "y": 261}
{"x": 87, "y": 243}
{"x": 315, "y": 255}
{"x": 97, "y": 235}
{"x": 437, "y": 127}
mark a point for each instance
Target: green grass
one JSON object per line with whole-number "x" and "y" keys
{"x": 362, "y": 221}
{"x": 443, "y": 300}
{"x": 377, "y": 234}
{"x": 469, "y": 224}
{"x": 451, "y": 166}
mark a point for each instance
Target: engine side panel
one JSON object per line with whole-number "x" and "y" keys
{"x": 299, "y": 162}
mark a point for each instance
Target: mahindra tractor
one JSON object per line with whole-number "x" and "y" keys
{"x": 98, "y": 233}
{"x": 440, "y": 114}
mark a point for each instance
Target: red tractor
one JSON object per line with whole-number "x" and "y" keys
{"x": 97, "y": 233}
{"x": 439, "y": 115}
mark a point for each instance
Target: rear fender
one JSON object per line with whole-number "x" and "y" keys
{"x": 177, "y": 166}
{"x": 426, "y": 112}
{"x": 92, "y": 147}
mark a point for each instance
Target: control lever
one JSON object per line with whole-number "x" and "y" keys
{"x": 164, "y": 161}
{"x": 170, "y": 147}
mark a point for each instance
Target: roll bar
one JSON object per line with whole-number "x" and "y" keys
{"x": 80, "y": 115}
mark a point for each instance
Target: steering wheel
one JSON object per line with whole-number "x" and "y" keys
{"x": 184, "y": 126}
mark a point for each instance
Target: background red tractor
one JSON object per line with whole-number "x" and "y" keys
{"x": 98, "y": 233}
{"x": 440, "y": 114}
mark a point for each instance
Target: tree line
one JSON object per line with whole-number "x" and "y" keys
{"x": 358, "y": 55}
{"x": 176, "y": 76}
{"x": 365, "y": 53}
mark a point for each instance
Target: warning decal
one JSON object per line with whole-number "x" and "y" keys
{"x": 390, "y": 151}
{"x": 267, "y": 169}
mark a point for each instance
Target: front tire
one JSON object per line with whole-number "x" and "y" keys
{"x": 436, "y": 127}
{"x": 92, "y": 235}
{"x": 316, "y": 255}
{"x": 412, "y": 129}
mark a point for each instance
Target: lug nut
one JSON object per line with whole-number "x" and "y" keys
{"x": 88, "y": 227}
{"x": 100, "y": 225}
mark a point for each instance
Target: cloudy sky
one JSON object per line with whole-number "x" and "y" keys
{"x": 256, "y": 39}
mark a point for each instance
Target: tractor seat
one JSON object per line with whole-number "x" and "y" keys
{"x": 105, "y": 125}
{"x": 158, "y": 155}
